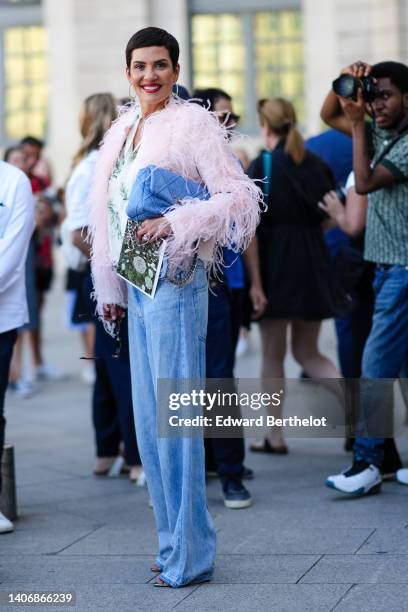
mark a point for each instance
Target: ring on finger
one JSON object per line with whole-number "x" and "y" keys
{"x": 146, "y": 238}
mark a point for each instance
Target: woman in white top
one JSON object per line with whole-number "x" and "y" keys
{"x": 112, "y": 399}
{"x": 97, "y": 113}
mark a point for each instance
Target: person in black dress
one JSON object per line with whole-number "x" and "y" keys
{"x": 293, "y": 258}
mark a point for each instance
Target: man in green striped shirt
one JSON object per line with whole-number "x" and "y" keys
{"x": 380, "y": 163}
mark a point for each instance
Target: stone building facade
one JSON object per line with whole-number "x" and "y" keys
{"x": 251, "y": 47}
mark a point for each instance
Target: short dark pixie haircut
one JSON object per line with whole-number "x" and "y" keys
{"x": 153, "y": 37}
{"x": 211, "y": 96}
{"x": 395, "y": 71}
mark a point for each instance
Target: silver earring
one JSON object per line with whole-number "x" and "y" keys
{"x": 177, "y": 88}
{"x": 130, "y": 95}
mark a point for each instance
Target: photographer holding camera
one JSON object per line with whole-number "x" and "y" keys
{"x": 380, "y": 162}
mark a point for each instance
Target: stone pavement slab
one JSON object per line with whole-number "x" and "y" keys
{"x": 56, "y": 571}
{"x": 369, "y": 569}
{"x": 387, "y": 541}
{"x": 375, "y": 598}
{"x": 117, "y": 539}
{"x": 110, "y": 598}
{"x": 279, "y": 597}
{"x": 264, "y": 539}
{"x": 253, "y": 569}
{"x": 45, "y": 534}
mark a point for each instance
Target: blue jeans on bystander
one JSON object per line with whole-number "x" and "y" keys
{"x": 385, "y": 353}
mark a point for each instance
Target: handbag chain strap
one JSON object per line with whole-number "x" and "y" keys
{"x": 186, "y": 279}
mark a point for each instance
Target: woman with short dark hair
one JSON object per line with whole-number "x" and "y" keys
{"x": 167, "y": 333}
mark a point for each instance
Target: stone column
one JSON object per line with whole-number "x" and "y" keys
{"x": 63, "y": 94}
{"x": 87, "y": 40}
{"x": 320, "y": 57}
{"x": 173, "y": 17}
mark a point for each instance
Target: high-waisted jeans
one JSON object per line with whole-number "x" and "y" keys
{"x": 167, "y": 340}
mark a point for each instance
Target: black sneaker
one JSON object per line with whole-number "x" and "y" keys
{"x": 349, "y": 445}
{"x": 247, "y": 474}
{"x": 236, "y": 495}
{"x": 392, "y": 461}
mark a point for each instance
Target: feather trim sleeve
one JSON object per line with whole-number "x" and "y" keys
{"x": 108, "y": 287}
{"x": 231, "y": 215}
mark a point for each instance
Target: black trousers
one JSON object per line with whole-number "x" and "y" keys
{"x": 112, "y": 406}
{"x": 224, "y": 454}
{"x": 237, "y": 307}
{"x": 7, "y": 340}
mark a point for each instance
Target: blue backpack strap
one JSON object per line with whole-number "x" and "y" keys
{"x": 266, "y": 172}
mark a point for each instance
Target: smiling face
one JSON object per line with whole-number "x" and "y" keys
{"x": 390, "y": 106}
{"x": 152, "y": 76}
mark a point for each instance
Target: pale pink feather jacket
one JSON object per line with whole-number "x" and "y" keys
{"x": 188, "y": 140}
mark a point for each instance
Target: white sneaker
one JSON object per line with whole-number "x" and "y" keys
{"x": 402, "y": 476}
{"x": 135, "y": 473}
{"x": 23, "y": 388}
{"x": 242, "y": 347}
{"x": 5, "y": 525}
{"x": 116, "y": 467}
{"x": 48, "y": 371}
{"x": 141, "y": 481}
{"x": 359, "y": 479}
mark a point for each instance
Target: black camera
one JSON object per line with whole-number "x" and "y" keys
{"x": 347, "y": 86}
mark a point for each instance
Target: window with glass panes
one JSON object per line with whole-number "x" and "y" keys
{"x": 252, "y": 54}
{"x": 23, "y": 70}
{"x": 25, "y": 81}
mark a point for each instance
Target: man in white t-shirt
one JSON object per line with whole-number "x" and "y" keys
{"x": 16, "y": 228}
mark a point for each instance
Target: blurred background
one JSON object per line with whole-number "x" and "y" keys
{"x": 54, "y": 53}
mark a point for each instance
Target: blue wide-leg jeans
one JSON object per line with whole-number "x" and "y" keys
{"x": 167, "y": 340}
{"x": 385, "y": 354}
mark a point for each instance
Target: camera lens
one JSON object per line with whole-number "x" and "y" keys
{"x": 345, "y": 86}
{"x": 369, "y": 89}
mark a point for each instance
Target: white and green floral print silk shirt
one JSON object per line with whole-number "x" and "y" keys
{"x": 120, "y": 185}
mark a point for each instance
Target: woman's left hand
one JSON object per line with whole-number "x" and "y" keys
{"x": 258, "y": 299}
{"x": 154, "y": 229}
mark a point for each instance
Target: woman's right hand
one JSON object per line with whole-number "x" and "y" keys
{"x": 113, "y": 312}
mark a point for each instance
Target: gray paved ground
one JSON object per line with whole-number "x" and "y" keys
{"x": 300, "y": 547}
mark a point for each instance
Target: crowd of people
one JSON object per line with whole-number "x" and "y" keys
{"x": 307, "y": 231}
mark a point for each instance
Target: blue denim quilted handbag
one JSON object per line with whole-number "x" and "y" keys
{"x": 156, "y": 189}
